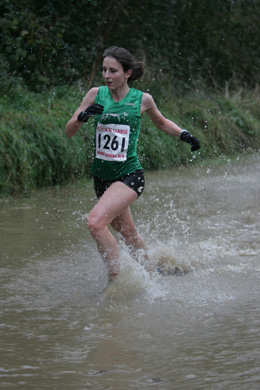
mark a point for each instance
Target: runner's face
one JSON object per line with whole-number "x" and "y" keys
{"x": 113, "y": 73}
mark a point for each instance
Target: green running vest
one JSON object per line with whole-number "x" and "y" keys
{"x": 117, "y": 132}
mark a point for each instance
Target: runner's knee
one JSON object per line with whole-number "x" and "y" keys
{"x": 95, "y": 224}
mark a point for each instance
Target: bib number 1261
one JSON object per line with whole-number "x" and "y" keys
{"x": 112, "y": 142}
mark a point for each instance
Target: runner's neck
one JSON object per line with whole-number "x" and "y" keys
{"x": 119, "y": 94}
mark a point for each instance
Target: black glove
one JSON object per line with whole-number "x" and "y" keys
{"x": 187, "y": 137}
{"x": 94, "y": 109}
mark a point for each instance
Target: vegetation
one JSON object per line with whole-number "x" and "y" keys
{"x": 46, "y": 43}
{"x": 203, "y": 60}
{"x": 35, "y": 152}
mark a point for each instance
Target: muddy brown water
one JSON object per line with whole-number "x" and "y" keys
{"x": 64, "y": 327}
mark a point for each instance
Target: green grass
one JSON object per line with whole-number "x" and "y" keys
{"x": 35, "y": 152}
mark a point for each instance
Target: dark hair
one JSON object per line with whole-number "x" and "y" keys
{"x": 127, "y": 60}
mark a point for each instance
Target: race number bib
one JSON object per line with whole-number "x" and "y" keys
{"x": 112, "y": 142}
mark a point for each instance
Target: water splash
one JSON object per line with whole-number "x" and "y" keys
{"x": 133, "y": 281}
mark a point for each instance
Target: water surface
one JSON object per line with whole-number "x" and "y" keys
{"x": 63, "y": 327}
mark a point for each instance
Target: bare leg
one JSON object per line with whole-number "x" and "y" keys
{"x": 124, "y": 224}
{"x": 114, "y": 202}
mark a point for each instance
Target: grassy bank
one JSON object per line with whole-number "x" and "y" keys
{"x": 35, "y": 152}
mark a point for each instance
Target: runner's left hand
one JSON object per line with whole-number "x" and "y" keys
{"x": 190, "y": 139}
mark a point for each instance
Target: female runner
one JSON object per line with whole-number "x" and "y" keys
{"x": 117, "y": 172}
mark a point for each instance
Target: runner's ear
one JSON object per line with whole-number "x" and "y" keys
{"x": 128, "y": 74}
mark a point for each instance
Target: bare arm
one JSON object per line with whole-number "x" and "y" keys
{"x": 162, "y": 123}
{"x": 73, "y": 125}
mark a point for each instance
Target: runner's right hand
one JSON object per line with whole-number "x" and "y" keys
{"x": 94, "y": 109}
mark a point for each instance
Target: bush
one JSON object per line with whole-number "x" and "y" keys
{"x": 35, "y": 152}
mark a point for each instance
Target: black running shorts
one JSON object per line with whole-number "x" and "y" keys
{"x": 134, "y": 180}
